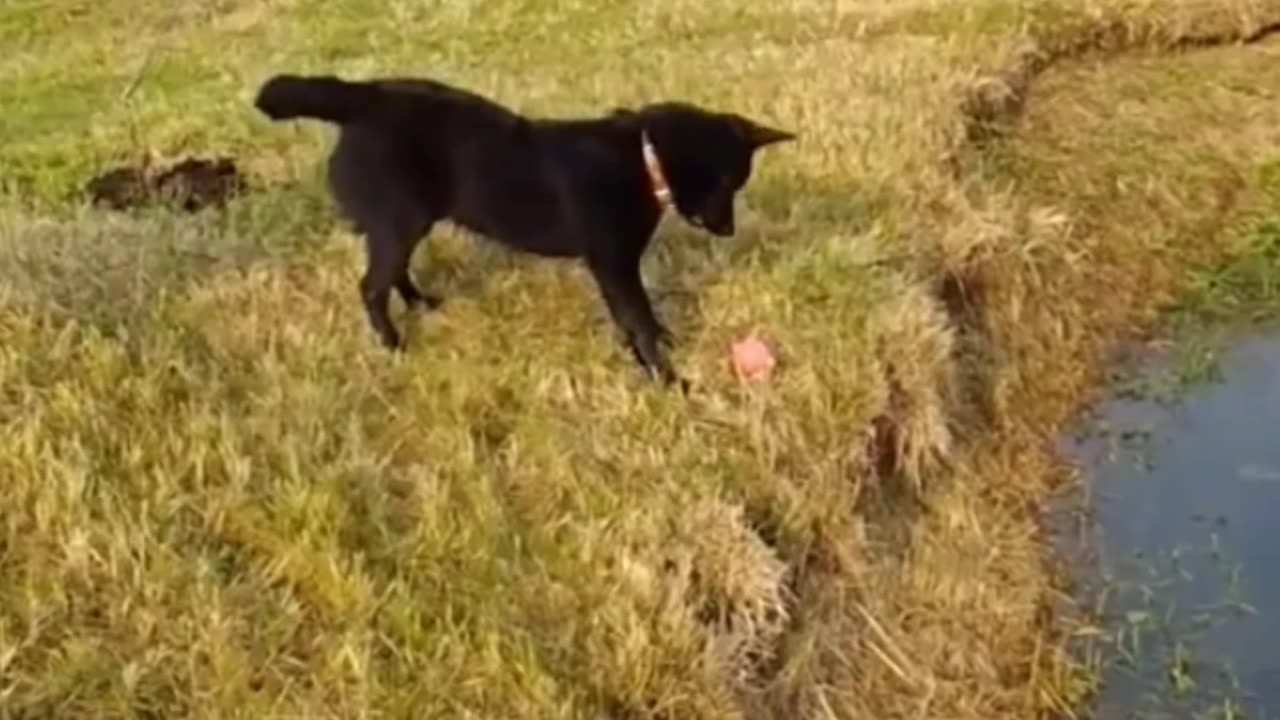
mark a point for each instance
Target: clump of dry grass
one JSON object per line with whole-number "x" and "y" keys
{"x": 224, "y": 502}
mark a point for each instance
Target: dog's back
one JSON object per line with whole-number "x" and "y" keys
{"x": 413, "y": 151}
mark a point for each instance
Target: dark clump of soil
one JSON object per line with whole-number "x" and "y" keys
{"x": 883, "y": 446}
{"x": 192, "y": 184}
{"x": 961, "y": 292}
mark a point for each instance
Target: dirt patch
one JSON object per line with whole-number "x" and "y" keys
{"x": 191, "y": 185}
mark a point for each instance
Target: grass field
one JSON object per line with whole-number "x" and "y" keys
{"x": 221, "y": 500}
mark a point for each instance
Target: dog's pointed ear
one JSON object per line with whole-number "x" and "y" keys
{"x": 757, "y": 135}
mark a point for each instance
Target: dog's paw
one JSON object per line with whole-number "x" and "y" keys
{"x": 391, "y": 341}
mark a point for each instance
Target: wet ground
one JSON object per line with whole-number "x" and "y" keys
{"x": 1183, "y": 540}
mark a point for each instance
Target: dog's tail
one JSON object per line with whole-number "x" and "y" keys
{"x": 322, "y": 97}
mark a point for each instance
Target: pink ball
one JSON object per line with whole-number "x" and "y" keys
{"x": 752, "y": 358}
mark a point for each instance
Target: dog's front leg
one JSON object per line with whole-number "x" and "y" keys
{"x": 629, "y": 306}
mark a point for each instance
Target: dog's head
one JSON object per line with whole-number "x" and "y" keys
{"x": 705, "y": 158}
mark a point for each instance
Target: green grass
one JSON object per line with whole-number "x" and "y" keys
{"x": 1243, "y": 291}
{"x": 223, "y": 501}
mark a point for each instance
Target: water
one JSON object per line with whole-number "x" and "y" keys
{"x": 1184, "y": 534}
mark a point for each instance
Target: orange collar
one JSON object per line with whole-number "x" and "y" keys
{"x": 658, "y": 179}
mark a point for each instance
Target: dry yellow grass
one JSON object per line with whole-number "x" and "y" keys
{"x": 222, "y": 501}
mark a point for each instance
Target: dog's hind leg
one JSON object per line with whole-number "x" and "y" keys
{"x": 390, "y": 247}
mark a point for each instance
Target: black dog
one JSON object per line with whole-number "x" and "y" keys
{"x": 412, "y": 152}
